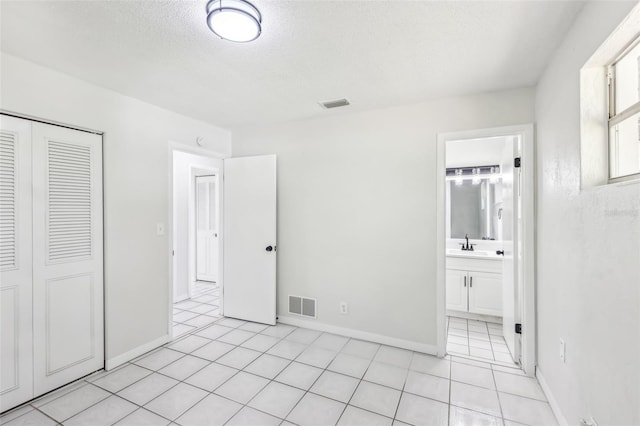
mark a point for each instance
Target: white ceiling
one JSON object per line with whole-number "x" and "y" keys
{"x": 375, "y": 53}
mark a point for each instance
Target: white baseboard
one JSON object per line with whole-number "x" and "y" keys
{"x": 136, "y": 352}
{"x": 358, "y": 334}
{"x": 555, "y": 407}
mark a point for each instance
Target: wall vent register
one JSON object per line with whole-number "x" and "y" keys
{"x": 302, "y": 306}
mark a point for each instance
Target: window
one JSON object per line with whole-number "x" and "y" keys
{"x": 624, "y": 114}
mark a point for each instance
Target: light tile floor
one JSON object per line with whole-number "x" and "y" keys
{"x": 238, "y": 373}
{"x": 199, "y": 311}
{"x": 477, "y": 339}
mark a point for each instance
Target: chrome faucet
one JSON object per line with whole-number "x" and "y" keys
{"x": 467, "y": 246}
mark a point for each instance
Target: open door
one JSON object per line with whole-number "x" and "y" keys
{"x": 206, "y": 229}
{"x": 509, "y": 217}
{"x": 249, "y": 288}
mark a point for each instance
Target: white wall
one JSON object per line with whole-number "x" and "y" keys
{"x": 357, "y": 207}
{"x": 588, "y": 249}
{"x": 136, "y": 187}
{"x": 185, "y": 167}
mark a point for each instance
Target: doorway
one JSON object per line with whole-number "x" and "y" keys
{"x": 195, "y": 240}
{"x": 485, "y": 240}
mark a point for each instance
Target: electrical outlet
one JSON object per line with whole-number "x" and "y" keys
{"x": 344, "y": 308}
{"x": 160, "y": 229}
{"x": 563, "y": 351}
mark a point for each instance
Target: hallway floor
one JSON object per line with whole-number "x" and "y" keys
{"x": 240, "y": 373}
{"x": 477, "y": 339}
{"x": 201, "y": 310}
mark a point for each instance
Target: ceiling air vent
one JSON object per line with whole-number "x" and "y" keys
{"x": 335, "y": 103}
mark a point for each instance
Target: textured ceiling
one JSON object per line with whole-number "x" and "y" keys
{"x": 376, "y": 53}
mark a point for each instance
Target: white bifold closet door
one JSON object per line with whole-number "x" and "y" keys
{"x": 62, "y": 283}
{"x": 16, "y": 342}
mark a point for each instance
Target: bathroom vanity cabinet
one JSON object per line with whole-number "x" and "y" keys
{"x": 474, "y": 285}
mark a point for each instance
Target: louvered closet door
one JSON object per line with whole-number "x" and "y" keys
{"x": 67, "y": 255}
{"x": 16, "y": 366}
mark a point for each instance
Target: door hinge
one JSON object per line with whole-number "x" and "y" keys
{"x": 173, "y": 252}
{"x": 518, "y": 328}
{"x": 516, "y": 162}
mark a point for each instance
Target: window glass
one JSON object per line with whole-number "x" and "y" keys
{"x": 624, "y": 147}
{"x": 627, "y": 81}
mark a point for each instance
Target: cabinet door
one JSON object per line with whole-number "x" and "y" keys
{"x": 485, "y": 293}
{"x": 16, "y": 337}
{"x": 456, "y": 290}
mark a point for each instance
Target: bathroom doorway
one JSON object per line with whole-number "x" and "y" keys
{"x": 485, "y": 236}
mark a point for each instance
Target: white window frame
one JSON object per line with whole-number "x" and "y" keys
{"x": 616, "y": 117}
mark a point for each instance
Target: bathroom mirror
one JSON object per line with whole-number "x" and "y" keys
{"x": 474, "y": 208}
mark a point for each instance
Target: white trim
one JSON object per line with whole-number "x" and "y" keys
{"x": 136, "y": 352}
{"x": 357, "y": 334}
{"x": 555, "y": 407}
{"x": 528, "y": 318}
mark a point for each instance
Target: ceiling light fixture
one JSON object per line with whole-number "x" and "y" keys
{"x": 234, "y": 20}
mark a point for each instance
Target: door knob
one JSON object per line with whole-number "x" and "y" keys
{"x": 269, "y": 248}
{"x": 500, "y": 252}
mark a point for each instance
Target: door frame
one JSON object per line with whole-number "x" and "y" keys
{"x": 527, "y": 301}
{"x": 174, "y": 146}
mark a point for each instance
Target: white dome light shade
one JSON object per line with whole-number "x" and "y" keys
{"x": 234, "y": 20}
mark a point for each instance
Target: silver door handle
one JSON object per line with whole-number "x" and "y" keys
{"x": 465, "y": 280}
{"x": 470, "y": 281}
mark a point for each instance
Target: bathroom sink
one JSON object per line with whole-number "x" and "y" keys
{"x": 467, "y": 253}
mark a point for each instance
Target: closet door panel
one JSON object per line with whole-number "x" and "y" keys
{"x": 67, "y": 257}
{"x": 16, "y": 338}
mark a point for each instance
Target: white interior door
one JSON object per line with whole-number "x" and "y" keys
{"x": 206, "y": 228}
{"x": 16, "y": 337}
{"x": 249, "y": 288}
{"x": 509, "y": 237}
{"x": 67, "y": 255}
